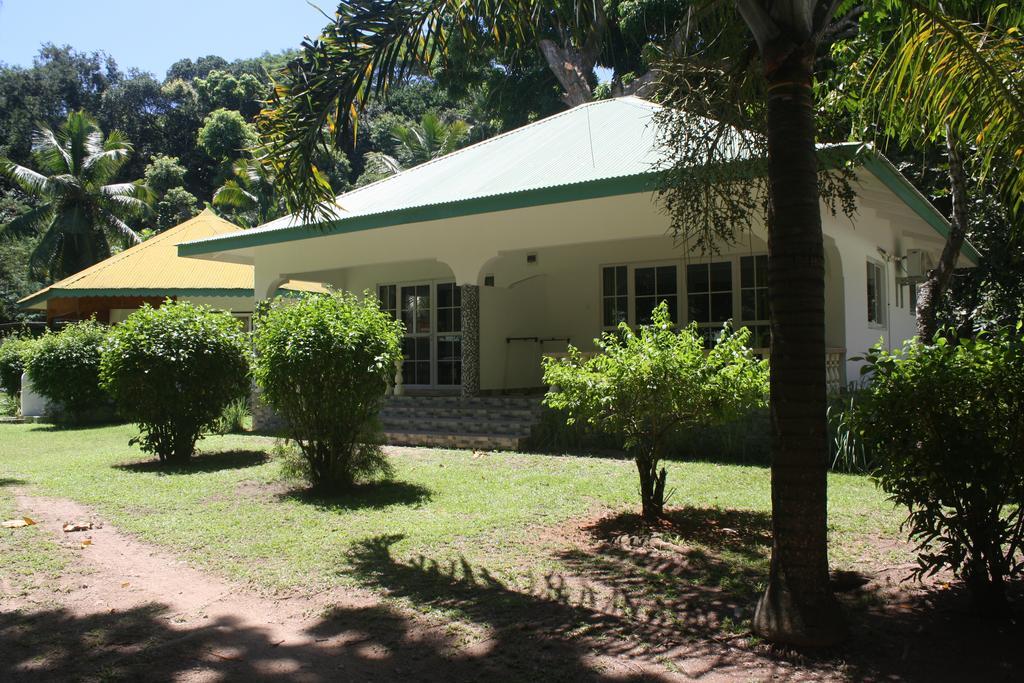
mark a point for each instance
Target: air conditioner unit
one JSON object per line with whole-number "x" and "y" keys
{"x": 917, "y": 263}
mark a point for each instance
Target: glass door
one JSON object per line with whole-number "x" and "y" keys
{"x": 432, "y": 346}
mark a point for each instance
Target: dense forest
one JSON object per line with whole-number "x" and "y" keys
{"x": 187, "y": 136}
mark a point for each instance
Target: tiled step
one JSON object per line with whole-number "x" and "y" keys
{"x": 485, "y": 422}
{"x": 491, "y": 442}
{"x": 457, "y": 423}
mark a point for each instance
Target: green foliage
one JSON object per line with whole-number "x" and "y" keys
{"x": 173, "y": 370}
{"x": 649, "y": 384}
{"x": 14, "y": 354}
{"x": 163, "y": 173}
{"x": 175, "y": 207}
{"x": 946, "y": 422}
{"x": 65, "y": 368}
{"x": 428, "y": 139}
{"x": 225, "y": 135}
{"x": 323, "y": 363}
{"x": 78, "y": 210}
{"x": 234, "y": 419}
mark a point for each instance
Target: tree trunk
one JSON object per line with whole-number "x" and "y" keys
{"x": 572, "y": 69}
{"x": 930, "y": 294}
{"x": 652, "y": 488}
{"x": 798, "y": 607}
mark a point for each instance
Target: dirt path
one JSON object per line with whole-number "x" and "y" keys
{"x": 125, "y": 610}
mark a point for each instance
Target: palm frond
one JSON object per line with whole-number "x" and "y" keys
{"x": 966, "y": 77}
{"x": 31, "y": 182}
{"x": 231, "y": 195}
{"x": 118, "y": 228}
{"x": 371, "y": 45}
{"x": 32, "y": 222}
{"x": 50, "y": 152}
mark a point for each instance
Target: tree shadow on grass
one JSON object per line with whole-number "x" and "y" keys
{"x": 374, "y": 642}
{"x": 370, "y": 496}
{"x": 551, "y": 627}
{"x": 202, "y": 462}
{"x": 5, "y": 481}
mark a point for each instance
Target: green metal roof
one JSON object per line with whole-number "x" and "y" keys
{"x": 599, "y": 149}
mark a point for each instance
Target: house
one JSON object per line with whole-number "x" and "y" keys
{"x": 512, "y": 248}
{"x": 151, "y": 272}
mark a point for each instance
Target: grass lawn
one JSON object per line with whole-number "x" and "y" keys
{"x": 235, "y": 514}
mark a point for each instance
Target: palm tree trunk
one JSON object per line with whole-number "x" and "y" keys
{"x": 932, "y": 290}
{"x": 798, "y": 607}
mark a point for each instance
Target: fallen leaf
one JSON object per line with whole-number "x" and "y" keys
{"x": 76, "y": 526}
{"x": 125, "y": 584}
{"x": 18, "y": 523}
{"x": 86, "y": 542}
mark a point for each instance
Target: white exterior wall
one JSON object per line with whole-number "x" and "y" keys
{"x": 559, "y": 295}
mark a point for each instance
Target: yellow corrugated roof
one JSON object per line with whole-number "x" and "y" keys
{"x": 154, "y": 268}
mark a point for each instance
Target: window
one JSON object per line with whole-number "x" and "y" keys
{"x": 651, "y": 286}
{"x": 876, "y": 294}
{"x": 388, "y": 300}
{"x": 754, "y": 299}
{"x": 449, "y": 334}
{"x": 913, "y": 298}
{"x": 709, "y": 295}
{"x": 614, "y": 297}
{"x": 416, "y": 305}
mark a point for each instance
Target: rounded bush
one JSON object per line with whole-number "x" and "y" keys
{"x": 323, "y": 363}
{"x": 64, "y": 368}
{"x": 14, "y": 352}
{"x": 173, "y": 370}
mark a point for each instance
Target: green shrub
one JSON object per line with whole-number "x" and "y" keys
{"x": 322, "y": 363}
{"x": 648, "y": 386}
{"x": 233, "y": 418}
{"x": 14, "y": 352}
{"x": 64, "y": 368}
{"x": 173, "y": 370}
{"x": 945, "y": 422}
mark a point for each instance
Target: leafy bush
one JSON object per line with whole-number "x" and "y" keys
{"x": 650, "y": 385}
{"x": 64, "y": 368}
{"x": 233, "y": 418}
{"x": 322, "y": 363}
{"x": 173, "y": 370}
{"x": 946, "y": 424}
{"x": 14, "y": 352}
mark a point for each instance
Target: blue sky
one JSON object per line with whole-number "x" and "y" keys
{"x": 153, "y": 34}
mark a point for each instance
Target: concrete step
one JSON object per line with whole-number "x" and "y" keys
{"x": 437, "y": 439}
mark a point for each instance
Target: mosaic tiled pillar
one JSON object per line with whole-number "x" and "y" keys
{"x": 470, "y": 340}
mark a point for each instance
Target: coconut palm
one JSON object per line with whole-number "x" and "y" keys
{"x": 249, "y": 194}
{"x": 80, "y": 213}
{"x": 429, "y": 139}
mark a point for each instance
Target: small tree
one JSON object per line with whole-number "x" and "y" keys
{"x": 323, "y": 363}
{"x": 945, "y": 423}
{"x": 64, "y": 368}
{"x": 14, "y": 353}
{"x": 172, "y": 370}
{"x": 648, "y": 384}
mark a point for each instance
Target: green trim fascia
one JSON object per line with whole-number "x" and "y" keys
{"x": 872, "y": 160}
{"x": 78, "y": 293}
{"x": 912, "y": 197}
{"x": 592, "y": 189}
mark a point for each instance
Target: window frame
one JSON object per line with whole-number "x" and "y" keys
{"x": 880, "y": 294}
